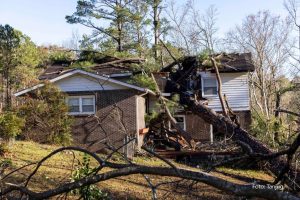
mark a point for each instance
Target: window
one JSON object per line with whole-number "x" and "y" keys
{"x": 180, "y": 119}
{"x": 81, "y": 104}
{"x": 209, "y": 87}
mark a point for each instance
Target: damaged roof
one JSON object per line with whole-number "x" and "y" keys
{"x": 107, "y": 66}
{"x": 233, "y": 62}
{"x": 236, "y": 62}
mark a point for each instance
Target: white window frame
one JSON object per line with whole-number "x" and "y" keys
{"x": 184, "y": 121}
{"x": 202, "y": 87}
{"x": 80, "y": 104}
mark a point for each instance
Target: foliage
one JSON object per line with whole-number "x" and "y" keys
{"x": 82, "y": 65}
{"x": 46, "y": 116}
{"x": 264, "y": 129}
{"x": 57, "y": 54}
{"x": 144, "y": 81}
{"x": 10, "y": 125}
{"x": 28, "y": 54}
{"x": 151, "y": 116}
{"x": 5, "y": 162}
{"x": 173, "y": 105}
{"x": 116, "y": 13}
{"x": 9, "y": 42}
{"x": 90, "y": 192}
{"x": 29, "y": 58}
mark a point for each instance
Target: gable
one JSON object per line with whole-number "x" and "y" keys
{"x": 79, "y": 82}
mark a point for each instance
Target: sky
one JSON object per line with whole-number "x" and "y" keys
{"x": 44, "y": 20}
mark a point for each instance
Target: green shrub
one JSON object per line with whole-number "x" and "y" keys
{"x": 10, "y": 125}
{"x": 46, "y": 117}
{"x": 90, "y": 192}
{"x": 265, "y": 129}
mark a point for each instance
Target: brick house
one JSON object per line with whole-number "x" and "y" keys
{"x": 119, "y": 107}
{"x": 108, "y": 109}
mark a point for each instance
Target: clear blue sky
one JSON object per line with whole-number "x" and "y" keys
{"x": 44, "y": 20}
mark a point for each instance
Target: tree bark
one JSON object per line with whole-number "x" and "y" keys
{"x": 222, "y": 101}
{"x": 247, "y": 190}
{"x": 230, "y": 129}
{"x": 188, "y": 138}
{"x": 156, "y": 27}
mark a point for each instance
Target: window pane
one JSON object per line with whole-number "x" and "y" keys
{"x": 210, "y": 90}
{"x": 87, "y": 101}
{"x": 210, "y": 86}
{"x": 73, "y": 105}
{"x": 87, "y": 108}
{"x": 179, "y": 119}
{"x": 73, "y": 102}
{"x": 209, "y": 82}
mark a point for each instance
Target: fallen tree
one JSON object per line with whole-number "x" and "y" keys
{"x": 230, "y": 129}
{"x": 121, "y": 169}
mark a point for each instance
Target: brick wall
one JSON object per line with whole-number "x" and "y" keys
{"x": 116, "y": 120}
{"x": 199, "y": 129}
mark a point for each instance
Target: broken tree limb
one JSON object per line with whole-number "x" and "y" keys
{"x": 173, "y": 121}
{"x": 222, "y": 101}
{"x": 248, "y": 190}
{"x": 226, "y": 126}
{"x": 288, "y": 112}
{"x": 130, "y": 60}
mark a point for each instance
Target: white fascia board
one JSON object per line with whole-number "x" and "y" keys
{"x": 29, "y": 89}
{"x": 119, "y": 75}
{"x": 78, "y": 71}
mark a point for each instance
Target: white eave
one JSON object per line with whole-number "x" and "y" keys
{"x": 78, "y": 71}
{"x": 118, "y": 75}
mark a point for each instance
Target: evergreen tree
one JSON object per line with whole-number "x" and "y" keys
{"x": 96, "y": 14}
{"x": 9, "y": 42}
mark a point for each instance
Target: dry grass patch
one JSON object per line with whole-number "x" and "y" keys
{"x": 58, "y": 170}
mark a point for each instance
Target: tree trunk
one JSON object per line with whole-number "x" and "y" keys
{"x": 188, "y": 138}
{"x": 229, "y": 128}
{"x": 222, "y": 101}
{"x": 156, "y": 27}
{"x": 119, "y": 27}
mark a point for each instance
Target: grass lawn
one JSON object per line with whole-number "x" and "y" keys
{"x": 57, "y": 171}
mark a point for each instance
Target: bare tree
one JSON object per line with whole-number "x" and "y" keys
{"x": 267, "y": 38}
{"x": 73, "y": 42}
{"x": 179, "y": 18}
{"x": 191, "y": 29}
{"x": 292, "y": 7}
{"x": 203, "y": 28}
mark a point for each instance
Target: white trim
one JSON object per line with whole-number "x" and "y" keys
{"x": 29, "y": 89}
{"x": 80, "y": 104}
{"x": 79, "y": 71}
{"x": 118, "y": 75}
{"x": 166, "y": 94}
{"x": 211, "y": 135}
{"x": 202, "y": 86}
{"x": 137, "y": 121}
